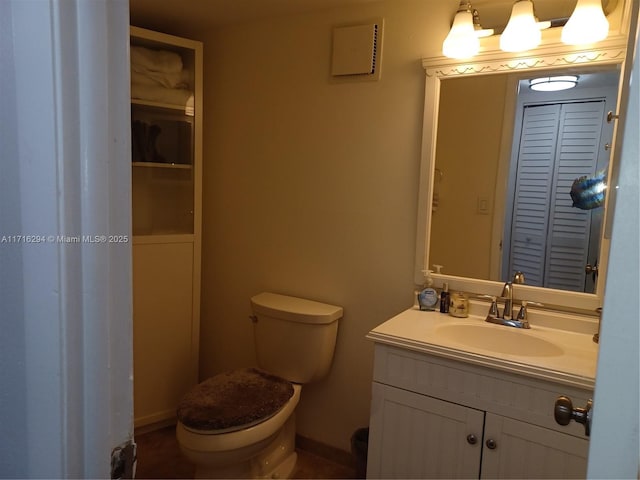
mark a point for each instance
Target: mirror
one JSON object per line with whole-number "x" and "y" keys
{"x": 513, "y": 193}
{"x": 470, "y": 218}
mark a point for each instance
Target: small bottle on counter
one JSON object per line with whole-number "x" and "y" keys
{"x": 459, "y": 305}
{"x": 428, "y": 297}
{"x": 445, "y": 298}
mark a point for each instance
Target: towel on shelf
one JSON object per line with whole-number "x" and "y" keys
{"x": 142, "y": 76}
{"x": 172, "y": 96}
{"x": 156, "y": 60}
{"x": 158, "y": 76}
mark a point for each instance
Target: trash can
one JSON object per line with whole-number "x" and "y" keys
{"x": 359, "y": 446}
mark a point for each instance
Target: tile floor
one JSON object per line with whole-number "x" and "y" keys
{"x": 159, "y": 457}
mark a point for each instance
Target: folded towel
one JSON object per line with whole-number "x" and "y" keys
{"x": 172, "y": 96}
{"x": 142, "y": 76}
{"x": 156, "y": 60}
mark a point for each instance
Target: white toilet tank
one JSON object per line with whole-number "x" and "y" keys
{"x": 294, "y": 338}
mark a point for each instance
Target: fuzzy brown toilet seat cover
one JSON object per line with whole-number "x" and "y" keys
{"x": 233, "y": 399}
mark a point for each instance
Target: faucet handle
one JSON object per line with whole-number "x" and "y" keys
{"x": 522, "y": 314}
{"x": 493, "y": 309}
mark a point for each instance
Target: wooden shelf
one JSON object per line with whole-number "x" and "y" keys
{"x": 186, "y": 110}
{"x": 180, "y": 166}
{"x": 163, "y": 238}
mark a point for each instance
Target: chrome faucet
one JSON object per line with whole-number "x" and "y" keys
{"x": 507, "y": 317}
{"x": 507, "y": 294}
{"x": 507, "y": 314}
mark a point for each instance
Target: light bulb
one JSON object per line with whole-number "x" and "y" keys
{"x": 462, "y": 41}
{"x": 587, "y": 24}
{"x": 522, "y": 31}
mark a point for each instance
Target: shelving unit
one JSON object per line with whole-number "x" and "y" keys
{"x": 166, "y": 202}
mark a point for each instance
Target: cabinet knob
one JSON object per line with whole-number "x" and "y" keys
{"x": 472, "y": 439}
{"x": 491, "y": 444}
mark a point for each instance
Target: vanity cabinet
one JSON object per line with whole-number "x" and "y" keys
{"x": 432, "y": 417}
{"x": 166, "y": 138}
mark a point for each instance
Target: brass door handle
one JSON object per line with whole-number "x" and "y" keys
{"x": 564, "y": 412}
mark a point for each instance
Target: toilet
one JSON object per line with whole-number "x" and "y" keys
{"x": 241, "y": 424}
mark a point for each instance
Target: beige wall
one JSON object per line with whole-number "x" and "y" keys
{"x": 310, "y": 189}
{"x": 470, "y": 126}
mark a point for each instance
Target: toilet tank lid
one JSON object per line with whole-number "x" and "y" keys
{"x": 294, "y": 309}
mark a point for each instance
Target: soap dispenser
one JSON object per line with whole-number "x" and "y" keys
{"x": 428, "y": 297}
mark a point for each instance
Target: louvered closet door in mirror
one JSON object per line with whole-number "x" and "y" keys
{"x": 570, "y": 230}
{"x": 533, "y": 191}
{"x": 551, "y": 239}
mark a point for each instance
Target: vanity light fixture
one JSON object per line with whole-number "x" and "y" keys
{"x": 587, "y": 24}
{"x": 462, "y": 41}
{"x": 553, "y": 84}
{"x": 523, "y": 29}
{"x": 480, "y": 32}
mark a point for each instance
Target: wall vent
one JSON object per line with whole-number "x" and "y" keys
{"x": 356, "y": 51}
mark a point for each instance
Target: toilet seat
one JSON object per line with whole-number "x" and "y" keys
{"x": 232, "y": 401}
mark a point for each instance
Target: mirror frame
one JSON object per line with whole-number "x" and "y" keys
{"x": 553, "y": 56}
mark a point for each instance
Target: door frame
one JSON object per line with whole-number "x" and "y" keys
{"x": 67, "y": 135}
{"x": 614, "y": 448}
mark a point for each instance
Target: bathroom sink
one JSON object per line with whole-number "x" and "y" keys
{"x": 499, "y": 339}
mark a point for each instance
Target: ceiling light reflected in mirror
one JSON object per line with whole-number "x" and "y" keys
{"x": 553, "y": 84}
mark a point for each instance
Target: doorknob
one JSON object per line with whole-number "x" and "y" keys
{"x": 564, "y": 413}
{"x": 592, "y": 269}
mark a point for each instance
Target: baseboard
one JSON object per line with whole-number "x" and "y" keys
{"x": 325, "y": 451}
{"x": 154, "y": 418}
{"x": 151, "y": 427}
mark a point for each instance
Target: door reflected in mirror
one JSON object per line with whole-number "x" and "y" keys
{"x": 507, "y": 159}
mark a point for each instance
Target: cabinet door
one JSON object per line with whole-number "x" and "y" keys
{"x": 164, "y": 344}
{"x": 522, "y": 450}
{"x": 163, "y": 176}
{"x": 415, "y": 436}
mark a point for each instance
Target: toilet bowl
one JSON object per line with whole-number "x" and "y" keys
{"x": 258, "y": 450}
{"x": 241, "y": 424}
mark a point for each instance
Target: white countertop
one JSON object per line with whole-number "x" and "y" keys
{"x": 573, "y": 362}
